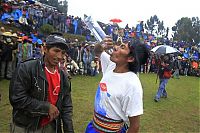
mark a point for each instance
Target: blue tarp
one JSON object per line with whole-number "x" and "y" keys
{"x": 17, "y": 14}
{"x": 186, "y": 55}
{"x": 5, "y": 16}
{"x": 196, "y": 55}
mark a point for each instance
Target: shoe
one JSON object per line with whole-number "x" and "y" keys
{"x": 164, "y": 96}
{"x": 156, "y": 100}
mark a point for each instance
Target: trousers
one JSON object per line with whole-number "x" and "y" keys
{"x": 46, "y": 129}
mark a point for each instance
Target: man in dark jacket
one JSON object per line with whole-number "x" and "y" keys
{"x": 6, "y": 58}
{"x": 40, "y": 93}
{"x": 164, "y": 73}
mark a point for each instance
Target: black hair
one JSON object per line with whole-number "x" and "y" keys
{"x": 25, "y": 41}
{"x": 56, "y": 33}
{"x": 140, "y": 53}
{"x": 133, "y": 66}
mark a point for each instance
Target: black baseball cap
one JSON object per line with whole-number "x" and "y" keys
{"x": 56, "y": 40}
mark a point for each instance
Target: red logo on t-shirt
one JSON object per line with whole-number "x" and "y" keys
{"x": 56, "y": 90}
{"x": 103, "y": 86}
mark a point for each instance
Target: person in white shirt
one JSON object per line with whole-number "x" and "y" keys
{"x": 119, "y": 96}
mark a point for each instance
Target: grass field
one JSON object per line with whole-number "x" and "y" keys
{"x": 179, "y": 113}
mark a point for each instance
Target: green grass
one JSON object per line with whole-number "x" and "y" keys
{"x": 179, "y": 113}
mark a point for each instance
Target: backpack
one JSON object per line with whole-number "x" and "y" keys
{"x": 167, "y": 74}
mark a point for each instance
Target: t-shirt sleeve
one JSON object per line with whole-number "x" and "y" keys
{"x": 132, "y": 102}
{"x": 106, "y": 63}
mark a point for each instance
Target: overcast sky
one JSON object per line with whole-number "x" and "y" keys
{"x": 132, "y": 11}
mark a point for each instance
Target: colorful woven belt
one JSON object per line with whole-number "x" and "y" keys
{"x": 104, "y": 124}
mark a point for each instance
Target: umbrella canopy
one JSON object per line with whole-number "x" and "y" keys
{"x": 164, "y": 49}
{"x": 116, "y": 20}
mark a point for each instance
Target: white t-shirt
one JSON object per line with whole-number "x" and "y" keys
{"x": 119, "y": 95}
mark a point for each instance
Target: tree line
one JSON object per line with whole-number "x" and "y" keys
{"x": 185, "y": 29}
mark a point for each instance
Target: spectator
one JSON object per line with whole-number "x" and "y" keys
{"x": 40, "y": 92}
{"x": 87, "y": 59}
{"x": 164, "y": 73}
{"x": 6, "y": 58}
{"x": 177, "y": 67}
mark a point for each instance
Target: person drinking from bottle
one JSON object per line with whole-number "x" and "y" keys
{"x": 119, "y": 97}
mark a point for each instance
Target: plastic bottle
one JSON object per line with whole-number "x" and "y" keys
{"x": 94, "y": 27}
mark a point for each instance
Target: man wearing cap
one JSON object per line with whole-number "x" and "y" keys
{"x": 40, "y": 93}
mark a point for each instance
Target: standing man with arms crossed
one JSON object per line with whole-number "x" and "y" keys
{"x": 119, "y": 96}
{"x": 40, "y": 93}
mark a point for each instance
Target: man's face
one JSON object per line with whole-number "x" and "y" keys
{"x": 120, "y": 54}
{"x": 54, "y": 55}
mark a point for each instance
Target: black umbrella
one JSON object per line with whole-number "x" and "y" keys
{"x": 164, "y": 49}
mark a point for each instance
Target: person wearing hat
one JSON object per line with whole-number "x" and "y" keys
{"x": 118, "y": 99}
{"x": 7, "y": 47}
{"x": 40, "y": 93}
{"x": 87, "y": 59}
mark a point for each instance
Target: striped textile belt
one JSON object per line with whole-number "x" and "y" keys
{"x": 108, "y": 125}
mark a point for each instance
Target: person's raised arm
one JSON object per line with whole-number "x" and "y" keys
{"x": 106, "y": 44}
{"x": 101, "y": 51}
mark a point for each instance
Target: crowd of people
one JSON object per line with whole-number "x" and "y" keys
{"x": 80, "y": 58}
{"x": 15, "y": 48}
{"x": 32, "y": 15}
{"x": 43, "y": 101}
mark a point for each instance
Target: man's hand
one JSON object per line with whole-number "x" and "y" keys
{"x": 108, "y": 42}
{"x": 53, "y": 112}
